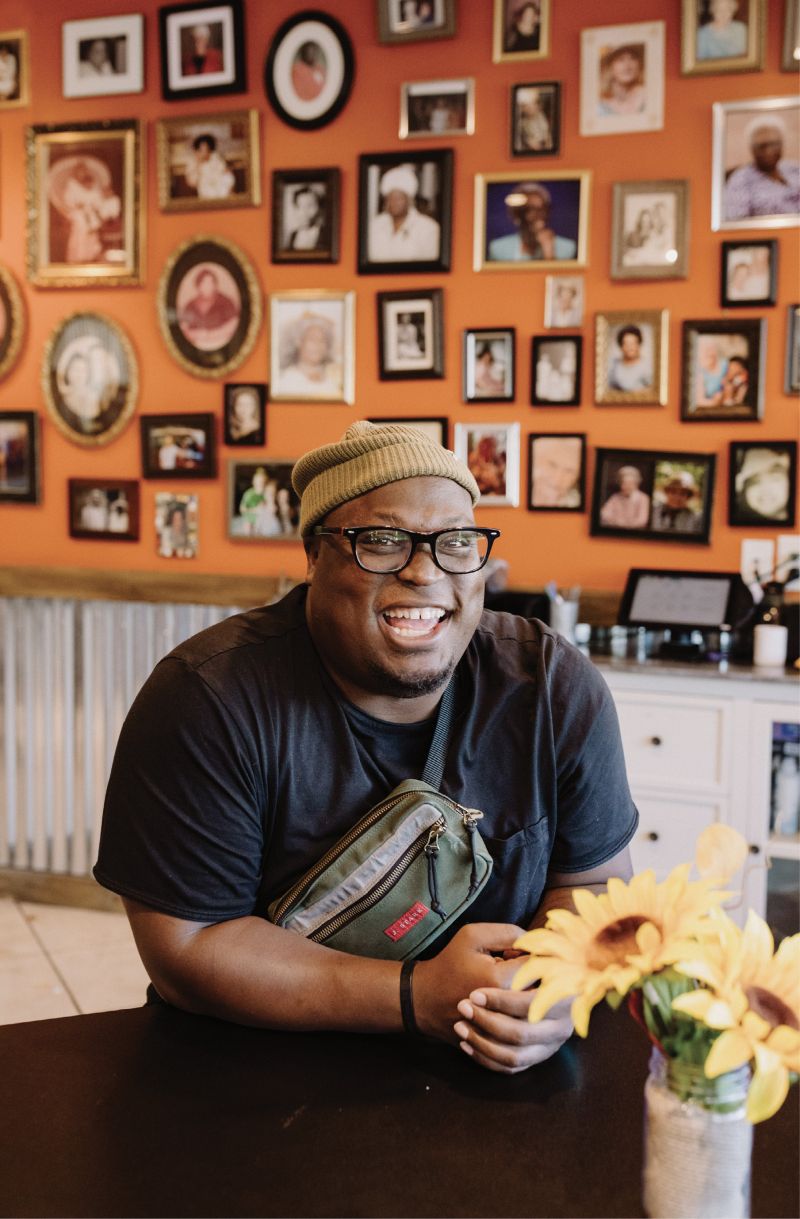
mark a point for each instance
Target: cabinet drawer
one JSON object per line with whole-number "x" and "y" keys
{"x": 681, "y": 744}
{"x": 668, "y": 830}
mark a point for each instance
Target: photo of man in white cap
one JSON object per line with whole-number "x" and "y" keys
{"x": 400, "y": 232}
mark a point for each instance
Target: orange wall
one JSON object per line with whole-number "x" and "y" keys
{"x": 539, "y": 546}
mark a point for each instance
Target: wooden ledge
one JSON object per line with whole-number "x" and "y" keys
{"x": 89, "y": 584}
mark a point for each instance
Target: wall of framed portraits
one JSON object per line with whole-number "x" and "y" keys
{"x": 228, "y": 230}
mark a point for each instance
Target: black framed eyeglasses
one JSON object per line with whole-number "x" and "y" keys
{"x": 381, "y": 549}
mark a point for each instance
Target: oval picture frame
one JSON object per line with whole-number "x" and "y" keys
{"x": 12, "y": 321}
{"x": 209, "y": 306}
{"x": 309, "y": 70}
{"x": 90, "y": 378}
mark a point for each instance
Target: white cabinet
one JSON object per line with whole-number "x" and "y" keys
{"x": 702, "y": 746}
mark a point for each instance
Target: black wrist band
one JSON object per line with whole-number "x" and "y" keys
{"x": 407, "y": 999}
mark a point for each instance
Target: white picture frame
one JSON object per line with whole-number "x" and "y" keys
{"x": 491, "y": 451}
{"x": 616, "y": 98}
{"x": 102, "y": 56}
{"x": 331, "y": 347}
{"x": 733, "y": 123}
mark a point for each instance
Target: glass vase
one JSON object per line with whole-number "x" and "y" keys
{"x": 697, "y": 1142}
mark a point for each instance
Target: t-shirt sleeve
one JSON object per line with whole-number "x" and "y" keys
{"x": 182, "y": 826}
{"x": 596, "y": 816}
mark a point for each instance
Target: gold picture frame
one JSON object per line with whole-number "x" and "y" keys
{"x": 208, "y": 161}
{"x": 12, "y": 321}
{"x": 501, "y": 204}
{"x": 85, "y": 218}
{"x": 630, "y": 357}
{"x": 15, "y": 74}
{"x": 521, "y": 30}
{"x": 209, "y": 305}
{"x": 736, "y": 45}
{"x": 90, "y": 378}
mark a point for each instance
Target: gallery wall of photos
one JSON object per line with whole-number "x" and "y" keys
{"x": 568, "y": 250}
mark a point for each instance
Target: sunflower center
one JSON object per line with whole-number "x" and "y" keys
{"x": 613, "y": 944}
{"x": 770, "y": 1007}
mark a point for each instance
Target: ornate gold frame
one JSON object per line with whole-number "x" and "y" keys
{"x": 16, "y": 321}
{"x": 195, "y": 367}
{"x": 39, "y": 138}
{"x": 125, "y": 414}
{"x": 24, "y": 68}
{"x": 250, "y": 197}
{"x": 604, "y": 324}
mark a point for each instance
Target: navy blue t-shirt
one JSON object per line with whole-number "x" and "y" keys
{"x": 240, "y": 764}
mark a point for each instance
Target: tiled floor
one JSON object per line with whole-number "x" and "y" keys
{"x": 61, "y": 961}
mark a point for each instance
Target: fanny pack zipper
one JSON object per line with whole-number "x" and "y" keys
{"x": 468, "y": 815}
{"x": 427, "y": 842}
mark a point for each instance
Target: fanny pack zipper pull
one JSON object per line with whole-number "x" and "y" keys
{"x": 432, "y": 853}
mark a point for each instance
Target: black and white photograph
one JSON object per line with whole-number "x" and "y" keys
{"x": 305, "y": 215}
{"x": 556, "y": 370}
{"x": 536, "y": 119}
{"x": 437, "y": 108}
{"x": 410, "y": 329}
{"x": 245, "y": 413}
{"x": 489, "y": 364}
{"x": 103, "y": 509}
{"x": 103, "y": 56}
{"x": 748, "y": 273}
{"x": 90, "y": 378}
{"x": 763, "y": 483}
{"x": 649, "y": 230}
{"x": 404, "y": 211}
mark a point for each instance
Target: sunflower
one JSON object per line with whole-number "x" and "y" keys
{"x": 752, "y": 995}
{"x": 614, "y": 941}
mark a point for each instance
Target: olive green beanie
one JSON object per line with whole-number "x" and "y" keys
{"x": 370, "y": 455}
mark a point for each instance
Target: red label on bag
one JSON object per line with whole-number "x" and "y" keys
{"x": 406, "y": 921}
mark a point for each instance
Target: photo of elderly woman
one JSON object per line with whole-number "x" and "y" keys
{"x": 311, "y": 347}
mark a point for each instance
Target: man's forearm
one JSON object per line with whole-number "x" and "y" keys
{"x": 559, "y": 897}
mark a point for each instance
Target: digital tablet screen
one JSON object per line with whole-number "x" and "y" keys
{"x": 677, "y": 599}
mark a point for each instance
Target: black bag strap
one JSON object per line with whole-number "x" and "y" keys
{"x": 434, "y": 764}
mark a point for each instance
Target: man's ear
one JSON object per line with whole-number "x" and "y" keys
{"x": 312, "y": 546}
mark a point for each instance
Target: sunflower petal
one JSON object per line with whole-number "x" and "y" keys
{"x": 720, "y": 852}
{"x": 729, "y": 1051}
{"x": 769, "y": 1087}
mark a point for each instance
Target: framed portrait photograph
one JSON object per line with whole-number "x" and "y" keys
{"x": 176, "y": 522}
{"x": 762, "y": 487}
{"x": 410, "y": 335}
{"x": 755, "y": 156}
{"x": 19, "y": 457}
{"x": 650, "y": 230}
{"x": 748, "y": 273}
{"x": 791, "y": 381}
{"x": 489, "y": 364}
{"x": 622, "y": 78}
{"x": 263, "y": 505}
{"x": 103, "y": 509}
{"x": 790, "y": 51}
{"x": 90, "y": 378}
{"x": 563, "y": 302}
{"x": 305, "y": 215}
{"x": 312, "y": 346}
{"x": 103, "y": 55}
{"x": 491, "y": 450}
{"x": 413, "y": 20}
{"x": 630, "y": 359}
{"x": 437, "y": 108}
{"x": 536, "y": 119}
{"x": 435, "y": 427}
{"x": 208, "y": 161}
{"x": 521, "y": 30}
{"x": 523, "y": 223}
{"x": 723, "y": 369}
{"x": 557, "y": 472}
{"x": 245, "y": 413}
{"x": 405, "y": 204}
{"x": 12, "y": 321}
{"x": 722, "y": 36}
{"x": 178, "y": 446}
{"x": 556, "y": 364}
{"x": 84, "y": 207}
{"x": 14, "y": 69}
{"x": 309, "y": 70}
{"x": 209, "y": 306}
{"x": 648, "y": 493}
{"x": 202, "y": 50}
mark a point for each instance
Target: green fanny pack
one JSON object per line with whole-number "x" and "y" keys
{"x": 400, "y": 876}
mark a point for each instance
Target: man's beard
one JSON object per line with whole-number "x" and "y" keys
{"x": 397, "y": 686}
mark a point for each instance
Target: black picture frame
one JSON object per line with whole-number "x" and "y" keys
{"x": 551, "y": 464}
{"x": 791, "y": 377}
{"x": 430, "y": 251}
{"x": 244, "y": 409}
{"x": 559, "y": 383}
{"x": 762, "y": 484}
{"x": 309, "y": 70}
{"x": 492, "y": 379}
{"x": 178, "y": 446}
{"x": 723, "y": 369}
{"x": 227, "y": 42}
{"x": 292, "y": 222}
{"x": 20, "y": 475}
{"x": 436, "y": 426}
{"x": 410, "y": 335}
{"x": 536, "y": 134}
{"x": 630, "y": 495}
{"x": 748, "y": 273}
{"x": 262, "y": 504}
{"x": 103, "y": 509}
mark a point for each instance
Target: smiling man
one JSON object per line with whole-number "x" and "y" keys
{"x": 256, "y": 745}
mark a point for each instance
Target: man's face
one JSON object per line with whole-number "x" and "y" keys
{"x": 677, "y": 495}
{"x": 380, "y": 656}
{"x": 767, "y": 147}
{"x": 397, "y": 203}
{"x": 533, "y": 214}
